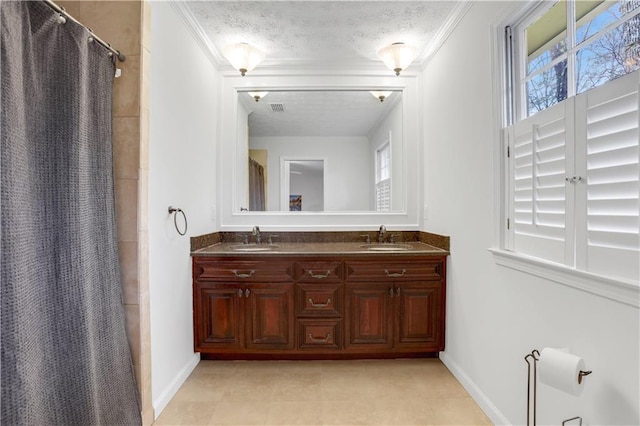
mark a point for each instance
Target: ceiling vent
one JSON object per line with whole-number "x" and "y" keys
{"x": 277, "y": 107}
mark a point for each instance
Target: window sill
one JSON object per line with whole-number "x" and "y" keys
{"x": 623, "y": 291}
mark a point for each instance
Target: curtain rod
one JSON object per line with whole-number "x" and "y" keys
{"x": 62, "y": 11}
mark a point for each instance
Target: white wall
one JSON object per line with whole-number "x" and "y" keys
{"x": 182, "y": 162}
{"x": 346, "y": 167}
{"x": 495, "y": 315}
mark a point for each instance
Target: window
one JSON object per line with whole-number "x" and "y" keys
{"x": 569, "y": 47}
{"x": 572, "y": 144}
{"x": 383, "y": 178}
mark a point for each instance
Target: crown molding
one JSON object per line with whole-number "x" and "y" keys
{"x": 445, "y": 31}
{"x": 369, "y": 66}
{"x": 196, "y": 31}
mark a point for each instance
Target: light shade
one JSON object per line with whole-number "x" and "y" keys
{"x": 258, "y": 95}
{"x": 398, "y": 56}
{"x": 243, "y": 57}
{"x": 381, "y": 95}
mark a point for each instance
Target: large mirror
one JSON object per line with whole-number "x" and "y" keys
{"x": 345, "y": 145}
{"x": 320, "y": 151}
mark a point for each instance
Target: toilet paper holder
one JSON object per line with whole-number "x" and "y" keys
{"x": 582, "y": 374}
{"x": 532, "y": 359}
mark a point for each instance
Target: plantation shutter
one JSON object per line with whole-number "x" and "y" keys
{"x": 538, "y": 188}
{"x": 383, "y": 178}
{"x": 383, "y": 195}
{"x": 610, "y": 193}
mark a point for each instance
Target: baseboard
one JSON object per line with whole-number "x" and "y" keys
{"x": 163, "y": 400}
{"x": 495, "y": 415}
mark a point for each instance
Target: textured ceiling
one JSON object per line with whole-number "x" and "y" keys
{"x": 318, "y": 113}
{"x": 327, "y": 32}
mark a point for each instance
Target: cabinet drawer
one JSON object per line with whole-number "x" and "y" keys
{"x": 315, "y": 300}
{"x": 243, "y": 271}
{"x": 394, "y": 270}
{"x": 319, "y": 271}
{"x": 320, "y": 334}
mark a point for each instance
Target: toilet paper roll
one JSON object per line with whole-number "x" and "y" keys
{"x": 560, "y": 370}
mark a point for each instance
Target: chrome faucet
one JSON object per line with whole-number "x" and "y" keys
{"x": 381, "y": 232}
{"x": 256, "y": 233}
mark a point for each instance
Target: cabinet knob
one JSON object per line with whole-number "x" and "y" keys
{"x": 397, "y": 291}
{"x": 247, "y": 292}
{"x": 391, "y": 292}
{"x": 239, "y": 292}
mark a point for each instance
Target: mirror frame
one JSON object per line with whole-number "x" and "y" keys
{"x": 232, "y": 220}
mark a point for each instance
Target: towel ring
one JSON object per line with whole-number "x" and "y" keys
{"x": 175, "y": 211}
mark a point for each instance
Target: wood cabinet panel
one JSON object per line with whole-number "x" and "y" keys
{"x": 418, "y": 318}
{"x": 320, "y": 334}
{"x": 369, "y": 316}
{"x": 270, "y": 316}
{"x": 243, "y": 271}
{"x": 219, "y": 318}
{"x": 403, "y": 270}
{"x": 313, "y": 300}
{"x": 319, "y": 271}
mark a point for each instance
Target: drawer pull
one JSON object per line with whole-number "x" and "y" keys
{"x": 242, "y": 274}
{"x": 395, "y": 274}
{"x": 321, "y": 340}
{"x": 319, "y": 305}
{"x": 320, "y": 276}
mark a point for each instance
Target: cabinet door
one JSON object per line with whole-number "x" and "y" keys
{"x": 270, "y": 317}
{"x": 368, "y": 310}
{"x": 418, "y": 316}
{"x": 218, "y": 317}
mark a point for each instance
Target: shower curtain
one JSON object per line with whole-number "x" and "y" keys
{"x": 65, "y": 356}
{"x": 256, "y": 186}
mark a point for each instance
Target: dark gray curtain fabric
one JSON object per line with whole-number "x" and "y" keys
{"x": 65, "y": 356}
{"x": 256, "y": 186}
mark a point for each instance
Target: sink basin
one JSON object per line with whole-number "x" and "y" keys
{"x": 387, "y": 247}
{"x": 253, "y": 248}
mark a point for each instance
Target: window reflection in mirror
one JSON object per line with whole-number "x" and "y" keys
{"x": 352, "y": 131}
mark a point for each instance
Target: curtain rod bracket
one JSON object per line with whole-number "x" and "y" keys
{"x": 64, "y": 15}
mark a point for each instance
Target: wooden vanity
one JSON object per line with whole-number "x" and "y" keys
{"x": 332, "y": 302}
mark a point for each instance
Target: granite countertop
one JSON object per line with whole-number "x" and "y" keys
{"x": 320, "y": 248}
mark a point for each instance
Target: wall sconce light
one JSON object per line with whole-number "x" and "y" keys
{"x": 398, "y": 56}
{"x": 258, "y": 95}
{"x": 381, "y": 95}
{"x": 243, "y": 57}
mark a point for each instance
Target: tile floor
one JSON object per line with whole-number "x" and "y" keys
{"x": 368, "y": 392}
